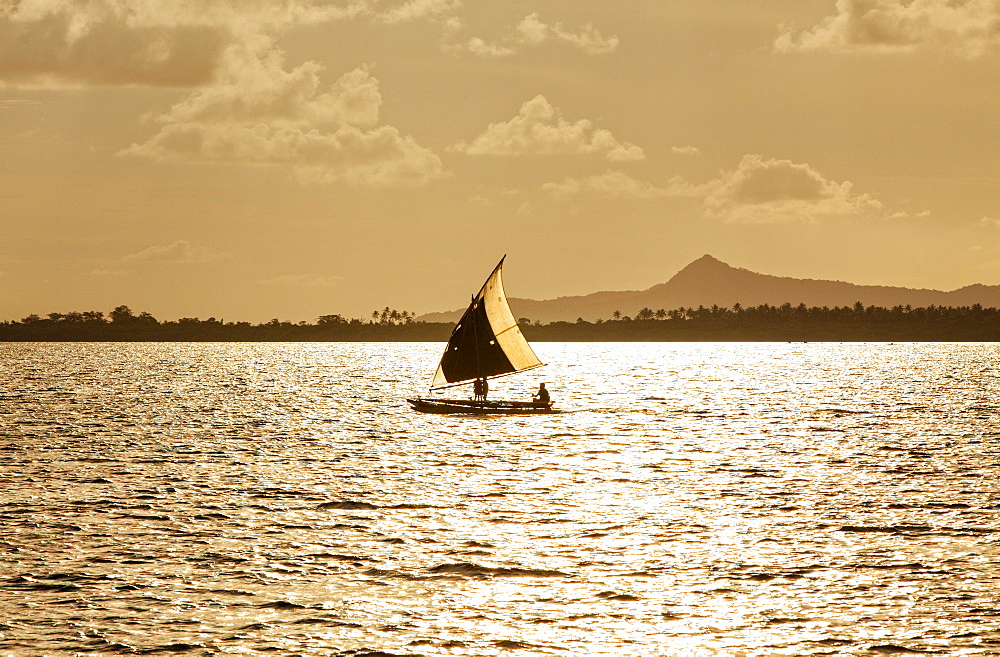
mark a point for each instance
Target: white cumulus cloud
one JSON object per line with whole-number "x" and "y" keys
{"x": 965, "y": 28}
{"x": 757, "y": 190}
{"x": 182, "y": 43}
{"x": 616, "y": 184}
{"x": 418, "y": 9}
{"x": 478, "y": 46}
{"x": 539, "y": 129}
{"x": 263, "y": 91}
{"x": 685, "y": 150}
{"x": 264, "y": 114}
{"x": 768, "y": 191}
{"x": 179, "y": 252}
{"x": 246, "y": 104}
{"x": 531, "y": 31}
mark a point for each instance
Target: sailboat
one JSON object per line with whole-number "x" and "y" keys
{"x": 485, "y": 343}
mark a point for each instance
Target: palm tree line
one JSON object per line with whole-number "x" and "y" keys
{"x": 789, "y": 313}
{"x": 765, "y": 321}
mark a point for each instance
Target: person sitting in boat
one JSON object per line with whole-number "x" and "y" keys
{"x": 542, "y": 396}
{"x": 480, "y": 389}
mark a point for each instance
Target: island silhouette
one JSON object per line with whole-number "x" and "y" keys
{"x": 706, "y": 301}
{"x": 708, "y": 281}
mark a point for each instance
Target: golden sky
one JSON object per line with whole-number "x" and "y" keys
{"x": 250, "y": 159}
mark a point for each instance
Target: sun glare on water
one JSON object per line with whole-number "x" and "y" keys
{"x": 692, "y": 500}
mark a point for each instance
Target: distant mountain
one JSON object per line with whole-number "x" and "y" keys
{"x": 708, "y": 281}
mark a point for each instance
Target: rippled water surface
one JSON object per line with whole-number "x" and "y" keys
{"x": 695, "y": 499}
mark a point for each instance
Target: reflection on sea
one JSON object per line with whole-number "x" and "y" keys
{"x": 696, "y": 499}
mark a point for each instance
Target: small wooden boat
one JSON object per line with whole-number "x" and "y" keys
{"x": 481, "y": 407}
{"x": 485, "y": 343}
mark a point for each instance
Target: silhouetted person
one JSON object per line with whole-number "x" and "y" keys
{"x": 542, "y": 396}
{"x": 480, "y": 389}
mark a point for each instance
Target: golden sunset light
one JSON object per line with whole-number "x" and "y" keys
{"x": 251, "y": 160}
{"x": 427, "y": 328}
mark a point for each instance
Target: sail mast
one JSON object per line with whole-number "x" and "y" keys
{"x": 475, "y": 331}
{"x": 486, "y": 342}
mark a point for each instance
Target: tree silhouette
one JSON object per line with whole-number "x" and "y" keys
{"x": 122, "y": 315}
{"x": 973, "y": 323}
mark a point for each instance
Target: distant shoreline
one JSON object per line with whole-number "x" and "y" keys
{"x": 764, "y": 323}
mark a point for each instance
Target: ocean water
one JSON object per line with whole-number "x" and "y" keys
{"x": 694, "y": 499}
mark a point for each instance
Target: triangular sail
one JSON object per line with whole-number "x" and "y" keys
{"x": 486, "y": 342}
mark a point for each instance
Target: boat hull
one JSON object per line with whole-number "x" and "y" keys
{"x": 469, "y": 406}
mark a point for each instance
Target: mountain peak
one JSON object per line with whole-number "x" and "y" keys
{"x": 707, "y": 261}
{"x": 705, "y": 269}
{"x": 709, "y": 281}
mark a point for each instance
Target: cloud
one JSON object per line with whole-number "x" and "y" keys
{"x": 262, "y": 91}
{"x": 755, "y": 191}
{"x": 992, "y": 223}
{"x": 179, "y": 252}
{"x": 182, "y": 43}
{"x": 418, "y": 9}
{"x": 616, "y": 184}
{"x": 685, "y": 150}
{"x": 104, "y": 43}
{"x": 190, "y": 43}
{"x": 966, "y": 28}
{"x": 906, "y": 214}
{"x": 17, "y": 103}
{"x": 478, "y": 46}
{"x": 538, "y": 129}
{"x": 263, "y": 114}
{"x": 303, "y": 280}
{"x": 769, "y": 191}
{"x": 377, "y": 158}
{"x": 108, "y": 272}
{"x": 246, "y": 105}
{"x": 531, "y": 31}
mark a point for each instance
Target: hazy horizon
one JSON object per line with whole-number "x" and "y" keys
{"x": 252, "y": 160}
{"x": 445, "y": 314}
